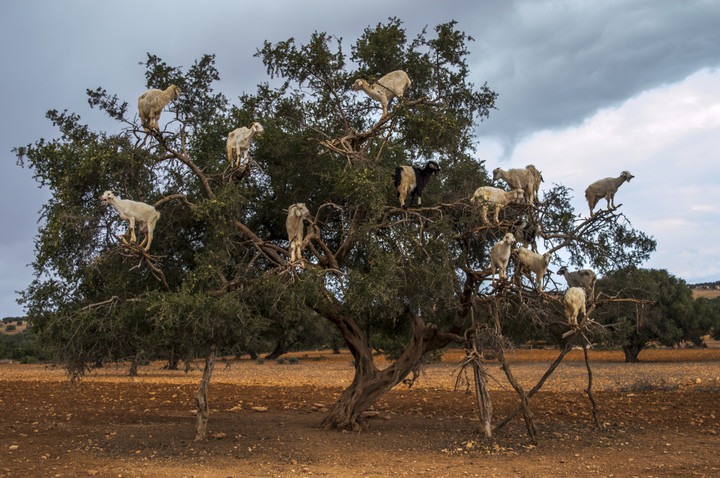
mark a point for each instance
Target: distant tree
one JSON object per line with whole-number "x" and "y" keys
{"x": 672, "y": 318}
{"x": 711, "y": 308}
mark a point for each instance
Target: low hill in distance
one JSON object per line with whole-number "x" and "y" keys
{"x": 709, "y": 290}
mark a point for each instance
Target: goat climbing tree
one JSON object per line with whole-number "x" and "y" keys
{"x": 218, "y": 277}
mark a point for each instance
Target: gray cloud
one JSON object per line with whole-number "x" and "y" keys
{"x": 557, "y": 63}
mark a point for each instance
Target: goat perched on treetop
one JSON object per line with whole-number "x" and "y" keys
{"x": 388, "y": 87}
{"x": 605, "y": 188}
{"x": 133, "y": 211}
{"x": 152, "y": 102}
{"x": 238, "y": 143}
{"x": 584, "y": 278}
{"x": 489, "y": 196}
{"x": 574, "y": 300}
{"x": 294, "y": 226}
{"x": 527, "y": 179}
{"x": 409, "y": 179}
{"x": 529, "y": 261}
{"x": 500, "y": 256}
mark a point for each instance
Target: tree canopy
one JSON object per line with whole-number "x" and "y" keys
{"x": 218, "y": 277}
{"x": 671, "y": 317}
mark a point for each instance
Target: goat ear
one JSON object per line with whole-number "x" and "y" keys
{"x": 115, "y": 192}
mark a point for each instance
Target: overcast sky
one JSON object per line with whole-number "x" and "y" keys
{"x": 587, "y": 89}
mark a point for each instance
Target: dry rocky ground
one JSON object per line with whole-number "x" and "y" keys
{"x": 659, "y": 418}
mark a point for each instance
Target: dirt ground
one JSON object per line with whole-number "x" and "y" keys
{"x": 659, "y": 418}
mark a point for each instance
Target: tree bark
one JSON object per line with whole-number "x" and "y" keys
{"x": 538, "y": 385}
{"x": 631, "y": 352}
{"x": 173, "y": 361}
{"x": 203, "y": 408}
{"x": 483, "y": 398}
{"x": 588, "y": 390}
{"x": 133, "y": 372}
{"x": 371, "y": 383}
{"x": 524, "y": 398}
{"x": 280, "y": 349}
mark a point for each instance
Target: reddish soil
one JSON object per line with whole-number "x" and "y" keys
{"x": 659, "y": 418}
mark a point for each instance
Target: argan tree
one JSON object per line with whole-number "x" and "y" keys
{"x": 218, "y": 276}
{"x": 671, "y": 316}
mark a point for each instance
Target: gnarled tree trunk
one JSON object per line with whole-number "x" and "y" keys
{"x": 371, "y": 383}
{"x": 203, "y": 408}
{"x": 631, "y": 352}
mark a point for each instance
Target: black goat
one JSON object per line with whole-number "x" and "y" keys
{"x": 525, "y": 232}
{"x": 409, "y": 179}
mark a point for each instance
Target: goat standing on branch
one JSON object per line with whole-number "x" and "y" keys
{"x": 496, "y": 197}
{"x": 574, "y": 301}
{"x": 500, "y": 256}
{"x": 530, "y": 261}
{"x": 584, "y": 278}
{"x": 151, "y": 104}
{"x": 294, "y": 225}
{"x": 388, "y": 87}
{"x": 238, "y": 143}
{"x": 525, "y": 232}
{"x": 133, "y": 211}
{"x": 527, "y": 179}
{"x": 409, "y": 179}
{"x": 605, "y": 188}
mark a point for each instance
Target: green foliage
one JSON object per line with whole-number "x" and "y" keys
{"x": 670, "y": 316}
{"x": 21, "y": 345}
{"x": 711, "y": 307}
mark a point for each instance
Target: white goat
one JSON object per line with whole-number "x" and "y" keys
{"x": 605, "y": 188}
{"x": 537, "y": 179}
{"x": 152, "y": 102}
{"x": 518, "y": 179}
{"x": 584, "y": 278}
{"x": 500, "y": 256}
{"x": 238, "y": 143}
{"x": 534, "y": 262}
{"x": 388, "y": 87}
{"x": 490, "y": 196}
{"x": 294, "y": 226}
{"x": 574, "y": 304}
{"x": 133, "y": 211}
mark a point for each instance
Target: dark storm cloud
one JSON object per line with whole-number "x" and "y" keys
{"x": 557, "y": 63}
